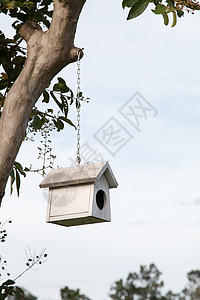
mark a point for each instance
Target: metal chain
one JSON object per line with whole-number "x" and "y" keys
{"x": 78, "y": 157}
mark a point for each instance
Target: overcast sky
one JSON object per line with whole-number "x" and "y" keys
{"x": 155, "y": 209}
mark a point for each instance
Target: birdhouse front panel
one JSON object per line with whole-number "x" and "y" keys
{"x": 70, "y": 200}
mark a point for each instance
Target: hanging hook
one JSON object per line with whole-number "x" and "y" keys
{"x": 80, "y": 54}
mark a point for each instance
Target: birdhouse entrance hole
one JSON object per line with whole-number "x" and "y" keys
{"x": 101, "y": 199}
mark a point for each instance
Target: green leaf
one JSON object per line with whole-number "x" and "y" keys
{"x": 68, "y": 121}
{"x": 46, "y": 97}
{"x": 65, "y": 104}
{"x": 38, "y": 122}
{"x": 57, "y": 87}
{"x": 28, "y": 4}
{"x": 57, "y": 102}
{"x": 19, "y": 167}
{"x": 35, "y": 122}
{"x": 59, "y": 124}
{"x": 71, "y": 101}
{"x": 17, "y": 181}
{"x": 11, "y": 5}
{"x": 3, "y": 84}
{"x": 170, "y": 3}
{"x": 166, "y": 18}
{"x": 160, "y": 9}
{"x": 72, "y": 94}
{"x": 79, "y": 95}
{"x": 128, "y": 3}
{"x": 8, "y": 282}
{"x": 61, "y": 86}
{"x": 26, "y": 169}
{"x": 180, "y": 13}
{"x": 137, "y": 9}
{"x": 61, "y": 80}
{"x": 174, "y": 19}
{"x": 12, "y": 180}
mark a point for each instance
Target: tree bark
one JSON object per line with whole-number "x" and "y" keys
{"x": 48, "y": 53}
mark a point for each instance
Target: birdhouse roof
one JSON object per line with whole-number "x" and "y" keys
{"x": 79, "y": 174}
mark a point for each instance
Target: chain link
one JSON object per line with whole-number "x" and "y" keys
{"x": 78, "y": 157}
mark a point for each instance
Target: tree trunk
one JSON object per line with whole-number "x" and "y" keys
{"x": 48, "y": 53}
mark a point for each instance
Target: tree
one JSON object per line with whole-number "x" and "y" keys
{"x": 146, "y": 285}
{"x": 26, "y": 77}
{"x": 69, "y": 294}
{"x": 192, "y": 291}
{"x": 21, "y": 293}
{"x": 143, "y": 286}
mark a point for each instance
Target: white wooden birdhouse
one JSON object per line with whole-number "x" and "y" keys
{"x": 80, "y": 194}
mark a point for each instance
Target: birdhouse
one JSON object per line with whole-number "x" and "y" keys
{"x": 79, "y": 194}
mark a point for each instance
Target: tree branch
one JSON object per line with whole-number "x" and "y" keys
{"x": 48, "y": 53}
{"x": 28, "y": 29}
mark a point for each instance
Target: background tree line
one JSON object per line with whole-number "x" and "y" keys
{"x": 144, "y": 285}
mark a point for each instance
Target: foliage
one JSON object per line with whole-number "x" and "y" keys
{"x": 21, "y": 293}
{"x": 17, "y": 169}
{"x": 3, "y": 232}
{"x": 8, "y": 287}
{"x": 143, "y": 286}
{"x": 48, "y": 120}
{"x": 146, "y": 285}
{"x": 162, "y": 7}
{"x": 25, "y": 10}
{"x": 192, "y": 291}
{"x": 12, "y": 59}
{"x": 69, "y": 294}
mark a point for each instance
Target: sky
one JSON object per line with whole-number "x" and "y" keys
{"x": 155, "y": 209}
